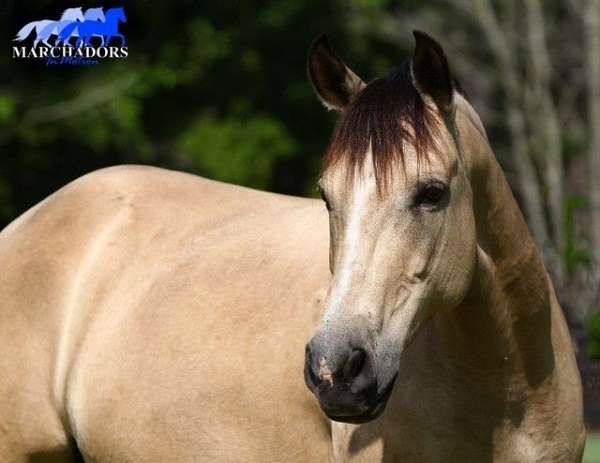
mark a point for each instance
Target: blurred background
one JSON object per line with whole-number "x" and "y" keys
{"x": 219, "y": 89}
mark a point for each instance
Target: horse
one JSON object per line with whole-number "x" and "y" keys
{"x": 439, "y": 310}
{"x": 151, "y": 315}
{"x": 91, "y": 14}
{"x": 70, "y": 14}
{"x": 89, "y": 29}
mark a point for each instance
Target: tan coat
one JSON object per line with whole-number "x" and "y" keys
{"x": 153, "y": 316}
{"x": 157, "y": 316}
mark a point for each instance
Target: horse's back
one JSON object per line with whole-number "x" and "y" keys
{"x": 167, "y": 316}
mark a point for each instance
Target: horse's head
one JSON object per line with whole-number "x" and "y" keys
{"x": 117, "y": 14}
{"x": 95, "y": 14}
{"x": 402, "y": 227}
{"x": 72, "y": 14}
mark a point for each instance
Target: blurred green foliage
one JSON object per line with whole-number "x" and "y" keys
{"x": 215, "y": 88}
{"x": 594, "y": 333}
{"x": 251, "y": 146}
{"x": 592, "y": 448}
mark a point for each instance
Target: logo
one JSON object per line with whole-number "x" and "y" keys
{"x": 76, "y": 39}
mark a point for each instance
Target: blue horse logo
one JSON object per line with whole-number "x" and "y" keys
{"x": 86, "y": 30}
{"x": 69, "y": 15}
{"x": 74, "y": 24}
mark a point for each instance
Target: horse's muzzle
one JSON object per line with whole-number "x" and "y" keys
{"x": 345, "y": 383}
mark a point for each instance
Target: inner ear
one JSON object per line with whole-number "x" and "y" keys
{"x": 431, "y": 72}
{"x": 334, "y": 82}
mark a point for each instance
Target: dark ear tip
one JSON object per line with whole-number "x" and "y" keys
{"x": 424, "y": 39}
{"x": 319, "y": 44}
{"x": 417, "y": 34}
{"x": 320, "y": 40}
{"x": 431, "y": 71}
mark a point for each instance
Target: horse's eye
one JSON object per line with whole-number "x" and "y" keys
{"x": 431, "y": 194}
{"x": 324, "y": 198}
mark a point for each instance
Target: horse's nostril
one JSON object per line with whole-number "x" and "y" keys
{"x": 355, "y": 364}
{"x": 308, "y": 367}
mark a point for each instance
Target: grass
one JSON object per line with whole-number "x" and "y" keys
{"x": 592, "y": 449}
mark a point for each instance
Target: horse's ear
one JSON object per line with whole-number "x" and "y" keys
{"x": 431, "y": 72}
{"x": 335, "y": 84}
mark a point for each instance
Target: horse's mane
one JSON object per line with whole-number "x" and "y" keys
{"x": 387, "y": 115}
{"x": 67, "y": 14}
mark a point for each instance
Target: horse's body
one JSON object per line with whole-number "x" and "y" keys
{"x": 155, "y": 316}
{"x": 45, "y": 27}
{"x": 87, "y": 30}
{"x": 55, "y": 28}
{"x": 148, "y": 315}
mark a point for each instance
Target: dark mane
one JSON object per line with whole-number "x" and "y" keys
{"x": 390, "y": 114}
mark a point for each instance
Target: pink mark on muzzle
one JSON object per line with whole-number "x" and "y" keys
{"x": 324, "y": 372}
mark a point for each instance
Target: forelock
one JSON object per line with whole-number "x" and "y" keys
{"x": 388, "y": 116}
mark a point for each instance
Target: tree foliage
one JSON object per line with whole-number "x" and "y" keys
{"x": 215, "y": 88}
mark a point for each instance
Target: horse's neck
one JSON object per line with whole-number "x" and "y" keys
{"x": 502, "y": 232}
{"x": 506, "y": 315}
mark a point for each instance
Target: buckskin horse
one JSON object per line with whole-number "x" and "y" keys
{"x": 149, "y": 315}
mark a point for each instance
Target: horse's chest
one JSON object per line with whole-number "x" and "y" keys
{"x": 406, "y": 443}
{"x": 426, "y": 422}
{"x": 413, "y": 442}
